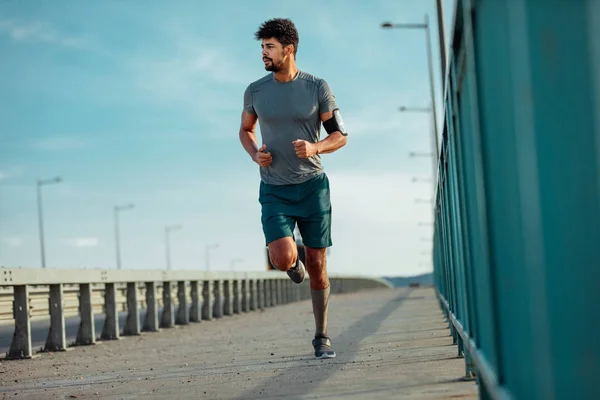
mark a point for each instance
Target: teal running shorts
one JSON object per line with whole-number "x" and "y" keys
{"x": 306, "y": 204}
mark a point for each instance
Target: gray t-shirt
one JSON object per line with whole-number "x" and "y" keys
{"x": 286, "y": 112}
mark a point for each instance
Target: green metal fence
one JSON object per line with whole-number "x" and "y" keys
{"x": 517, "y": 239}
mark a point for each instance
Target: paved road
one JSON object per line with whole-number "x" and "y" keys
{"x": 390, "y": 344}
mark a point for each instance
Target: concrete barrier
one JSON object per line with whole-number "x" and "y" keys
{"x": 169, "y": 297}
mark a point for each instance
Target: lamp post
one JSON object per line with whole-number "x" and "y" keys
{"x": 442, "y": 37}
{"x": 168, "y": 230}
{"x": 117, "y": 209}
{"x": 415, "y": 109}
{"x": 424, "y": 26}
{"x": 40, "y": 183}
{"x": 434, "y": 157}
{"x": 208, "y": 249}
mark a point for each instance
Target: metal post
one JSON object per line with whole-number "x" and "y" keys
{"x": 167, "y": 249}
{"x": 430, "y": 67}
{"x": 41, "y": 223}
{"x": 442, "y": 39}
{"x": 432, "y": 88}
{"x": 117, "y": 238}
{"x": 117, "y": 248}
{"x": 433, "y": 155}
{"x": 40, "y": 183}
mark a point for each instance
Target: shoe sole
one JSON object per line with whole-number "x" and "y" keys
{"x": 324, "y": 356}
{"x": 295, "y": 275}
{"x": 296, "y": 282}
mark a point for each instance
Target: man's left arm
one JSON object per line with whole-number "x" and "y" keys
{"x": 332, "y": 122}
{"x": 334, "y": 140}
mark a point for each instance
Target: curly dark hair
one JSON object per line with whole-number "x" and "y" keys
{"x": 282, "y": 29}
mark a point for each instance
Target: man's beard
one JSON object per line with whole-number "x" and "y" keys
{"x": 272, "y": 66}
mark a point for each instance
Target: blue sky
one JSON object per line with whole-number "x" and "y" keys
{"x": 139, "y": 102}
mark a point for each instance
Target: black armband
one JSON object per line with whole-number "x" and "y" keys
{"x": 335, "y": 123}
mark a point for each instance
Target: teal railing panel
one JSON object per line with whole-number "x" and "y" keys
{"x": 517, "y": 230}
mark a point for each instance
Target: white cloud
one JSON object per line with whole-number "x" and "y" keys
{"x": 11, "y": 241}
{"x": 57, "y": 143}
{"x": 3, "y": 175}
{"x": 39, "y": 32}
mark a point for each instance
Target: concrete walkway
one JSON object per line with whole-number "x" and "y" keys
{"x": 390, "y": 344}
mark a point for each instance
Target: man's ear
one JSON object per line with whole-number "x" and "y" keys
{"x": 289, "y": 49}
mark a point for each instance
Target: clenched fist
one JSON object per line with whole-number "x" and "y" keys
{"x": 304, "y": 149}
{"x": 262, "y": 157}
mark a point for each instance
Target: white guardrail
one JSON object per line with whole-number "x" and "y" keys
{"x": 27, "y": 293}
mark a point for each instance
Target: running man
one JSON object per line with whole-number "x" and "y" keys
{"x": 290, "y": 105}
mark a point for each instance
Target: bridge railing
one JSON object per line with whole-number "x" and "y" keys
{"x": 169, "y": 298}
{"x": 517, "y": 232}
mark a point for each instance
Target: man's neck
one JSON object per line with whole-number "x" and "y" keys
{"x": 287, "y": 74}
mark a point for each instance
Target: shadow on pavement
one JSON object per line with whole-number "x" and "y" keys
{"x": 347, "y": 346}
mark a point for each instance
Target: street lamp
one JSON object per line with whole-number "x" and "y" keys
{"x": 208, "y": 249}
{"x": 117, "y": 239}
{"x": 424, "y": 26}
{"x": 442, "y": 38}
{"x": 40, "y": 183}
{"x": 415, "y": 109}
{"x": 434, "y": 157}
{"x": 168, "y": 230}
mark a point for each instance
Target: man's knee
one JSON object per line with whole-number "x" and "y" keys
{"x": 282, "y": 253}
{"x": 283, "y": 260}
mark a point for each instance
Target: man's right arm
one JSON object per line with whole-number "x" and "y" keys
{"x": 248, "y": 134}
